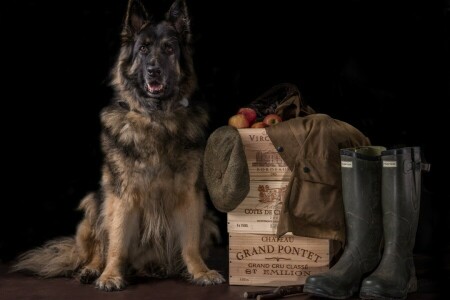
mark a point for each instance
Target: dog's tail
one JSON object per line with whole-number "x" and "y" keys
{"x": 58, "y": 257}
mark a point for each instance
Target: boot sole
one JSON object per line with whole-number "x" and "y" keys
{"x": 315, "y": 291}
{"x": 377, "y": 294}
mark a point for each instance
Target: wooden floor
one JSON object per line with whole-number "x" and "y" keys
{"x": 15, "y": 286}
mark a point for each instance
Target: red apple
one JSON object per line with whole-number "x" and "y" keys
{"x": 238, "y": 121}
{"x": 249, "y": 113}
{"x": 272, "y": 119}
{"x": 259, "y": 124}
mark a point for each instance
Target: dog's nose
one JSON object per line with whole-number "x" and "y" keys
{"x": 153, "y": 71}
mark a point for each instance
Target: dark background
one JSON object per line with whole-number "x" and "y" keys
{"x": 382, "y": 66}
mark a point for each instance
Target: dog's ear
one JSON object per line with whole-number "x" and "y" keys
{"x": 179, "y": 16}
{"x": 135, "y": 18}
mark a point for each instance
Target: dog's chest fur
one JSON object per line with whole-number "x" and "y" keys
{"x": 154, "y": 152}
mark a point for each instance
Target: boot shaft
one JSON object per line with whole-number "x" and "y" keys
{"x": 401, "y": 189}
{"x": 361, "y": 193}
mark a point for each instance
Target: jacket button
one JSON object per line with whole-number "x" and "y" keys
{"x": 280, "y": 149}
{"x": 306, "y": 170}
{"x": 218, "y": 175}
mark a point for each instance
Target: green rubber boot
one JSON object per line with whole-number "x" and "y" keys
{"x": 361, "y": 191}
{"x": 395, "y": 277}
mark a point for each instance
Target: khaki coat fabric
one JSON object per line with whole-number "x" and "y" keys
{"x": 310, "y": 145}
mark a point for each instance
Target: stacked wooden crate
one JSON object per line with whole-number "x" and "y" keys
{"x": 257, "y": 256}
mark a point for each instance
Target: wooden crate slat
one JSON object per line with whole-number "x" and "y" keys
{"x": 260, "y": 211}
{"x": 264, "y": 162}
{"x": 265, "y": 260}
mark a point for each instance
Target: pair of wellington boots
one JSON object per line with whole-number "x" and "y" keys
{"x": 381, "y": 195}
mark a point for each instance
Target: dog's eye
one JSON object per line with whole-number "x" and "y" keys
{"x": 168, "y": 49}
{"x": 143, "y": 49}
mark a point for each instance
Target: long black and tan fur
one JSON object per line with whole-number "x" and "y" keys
{"x": 149, "y": 216}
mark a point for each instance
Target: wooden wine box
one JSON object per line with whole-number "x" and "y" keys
{"x": 263, "y": 160}
{"x": 260, "y": 211}
{"x": 257, "y": 256}
{"x": 265, "y": 260}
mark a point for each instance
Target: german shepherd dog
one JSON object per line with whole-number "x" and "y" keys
{"x": 149, "y": 216}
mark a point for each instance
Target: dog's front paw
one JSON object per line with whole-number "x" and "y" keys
{"x": 208, "y": 278}
{"x": 110, "y": 283}
{"x": 88, "y": 275}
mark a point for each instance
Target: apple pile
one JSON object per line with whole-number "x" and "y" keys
{"x": 246, "y": 118}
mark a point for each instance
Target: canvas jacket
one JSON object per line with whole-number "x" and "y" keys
{"x": 310, "y": 145}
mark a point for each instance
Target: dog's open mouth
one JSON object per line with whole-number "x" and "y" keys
{"x": 155, "y": 87}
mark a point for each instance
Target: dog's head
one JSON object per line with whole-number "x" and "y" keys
{"x": 155, "y": 62}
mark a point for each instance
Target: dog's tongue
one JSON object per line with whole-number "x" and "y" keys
{"x": 155, "y": 87}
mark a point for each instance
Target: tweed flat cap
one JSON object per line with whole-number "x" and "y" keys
{"x": 225, "y": 169}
